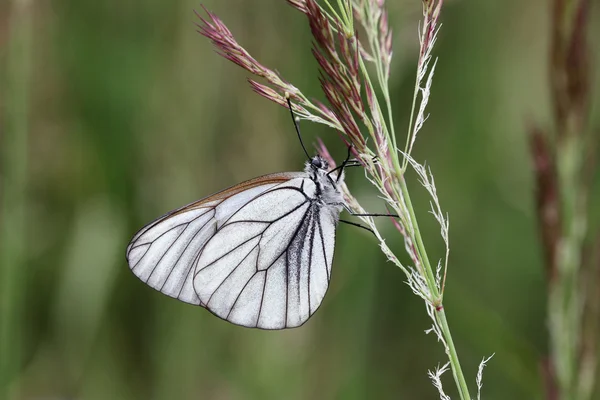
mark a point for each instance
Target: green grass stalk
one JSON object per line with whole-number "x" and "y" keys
{"x": 457, "y": 372}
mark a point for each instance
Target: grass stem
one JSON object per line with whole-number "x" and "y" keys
{"x": 459, "y": 377}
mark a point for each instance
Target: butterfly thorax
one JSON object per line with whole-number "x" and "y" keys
{"x": 328, "y": 192}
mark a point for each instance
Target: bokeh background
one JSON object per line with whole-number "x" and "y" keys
{"x": 131, "y": 114}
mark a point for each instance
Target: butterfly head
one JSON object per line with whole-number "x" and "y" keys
{"x": 318, "y": 168}
{"x": 318, "y": 163}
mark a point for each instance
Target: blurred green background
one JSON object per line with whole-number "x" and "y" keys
{"x": 132, "y": 114}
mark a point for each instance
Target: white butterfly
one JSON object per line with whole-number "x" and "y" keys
{"x": 258, "y": 254}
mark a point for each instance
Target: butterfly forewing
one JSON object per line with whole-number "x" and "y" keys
{"x": 269, "y": 265}
{"x": 163, "y": 253}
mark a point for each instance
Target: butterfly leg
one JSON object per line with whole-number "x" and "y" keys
{"x": 357, "y": 225}
{"x": 367, "y": 214}
{"x": 345, "y": 162}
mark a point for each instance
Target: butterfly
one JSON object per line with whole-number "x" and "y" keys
{"x": 258, "y": 254}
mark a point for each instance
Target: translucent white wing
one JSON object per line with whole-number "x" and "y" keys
{"x": 164, "y": 252}
{"x": 269, "y": 265}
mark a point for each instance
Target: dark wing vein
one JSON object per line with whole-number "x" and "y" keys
{"x": 262, "y": 297}
{"x": 162, "y": 234}
{"x": 323, "y": 247}
{"x": 157, "y": 238}
{"x": 229, "y": 275}
{"x": 239, "y": 294}
{"x": 188, "y": 274}
{"x": 275, "y": 189}
{"x": 270, "y": 221}
{"x": 138, "y": 261}
{"x": 310, "y": 257}
{"x": 167, "y": 250}
{"x": 230, "y": 251}
{"x": 304, "y": 234}
{"x": 179, "y": 258}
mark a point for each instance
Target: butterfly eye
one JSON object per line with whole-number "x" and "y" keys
{"x": 316, "y": 162}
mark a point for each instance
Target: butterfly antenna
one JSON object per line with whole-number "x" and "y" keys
{"x": 289, "y": 102}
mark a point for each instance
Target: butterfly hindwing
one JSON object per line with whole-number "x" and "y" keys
{"x": 269, "y": 265}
